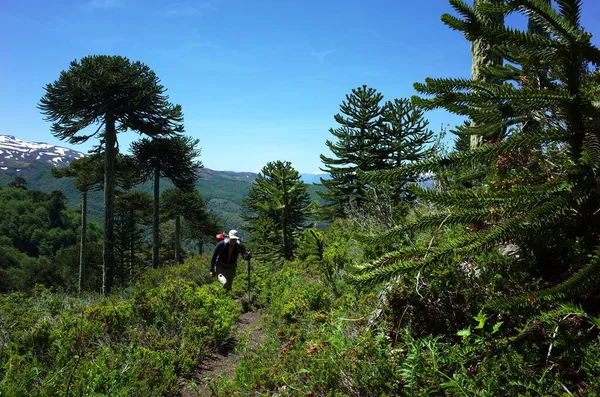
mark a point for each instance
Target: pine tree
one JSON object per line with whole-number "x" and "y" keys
{"x": 360, "y": 121}
{"x": 556, "y": 213}
{"x": 117, "y": 95}
{"x": 279, "y": 198}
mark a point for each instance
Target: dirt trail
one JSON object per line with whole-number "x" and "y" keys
{"x": 222, "y": 364}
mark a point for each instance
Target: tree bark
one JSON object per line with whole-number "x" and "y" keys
{"x": 110, "y": 139}
{"x": 83, "y": 238}
{"x": 156, "y": 219}
{"x": 177, "y": 226}
{"x": 481, "y": 52}
{"x": 132, "y": 243}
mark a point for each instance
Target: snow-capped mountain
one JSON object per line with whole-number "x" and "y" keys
{"x": 17, "y": 154}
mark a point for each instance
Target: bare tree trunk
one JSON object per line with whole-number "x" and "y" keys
{"x": 131, "y": 243}
{"x": 177, "y": 226}
{"x": 83, "y": 238}
{"x": 110, "y": 139}
{"x": 156, "y": 219}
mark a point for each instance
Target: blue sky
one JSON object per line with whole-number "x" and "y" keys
{"x": 259, "y": 80}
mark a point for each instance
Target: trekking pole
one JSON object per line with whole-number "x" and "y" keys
{"x": 249, "y": 281}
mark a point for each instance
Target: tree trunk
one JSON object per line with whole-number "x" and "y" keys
{"x": 110, "y": 139}
{"x": 156, "y": 219}
{"x": 481, "y": 52}
{"x": 177, "y": 226}
{"x": 83, "y": 237}
{"x": 132, "y": 243}
{"x": 200, "y": 247}
{"x": 284, "y": 223}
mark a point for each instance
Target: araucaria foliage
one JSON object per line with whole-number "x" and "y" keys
{"x": 276, "y": 209}
{"x": 371, "y": 136}
{"x": 116, "y": 95}
{"x": 551, "y": 216}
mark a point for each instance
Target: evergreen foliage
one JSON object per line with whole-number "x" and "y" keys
{"x": 361, "y": 121}
{"x": 551, "y": 218}
{"x": 87, "y": 172}
{"x": 114, "y": 93}
{"x": 36, "y": 229}
{"x": 276, "y": 208}
{"x": 172, "y": 158}
{"x": 177, "y": 204}
{"x": 133, "y": 211}
{"x": 371, "y": 136}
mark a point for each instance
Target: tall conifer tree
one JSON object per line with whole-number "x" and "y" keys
{"x": 360, "y": 121}
{"x": 483, "y": 54}
{"x": 556, "y": 211}
{"x": 277, "y": 198}
{"x": 116, "y": 95}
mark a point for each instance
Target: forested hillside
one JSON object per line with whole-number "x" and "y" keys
{"x": 223, "y": 190}
{"x": 469, "y": 269}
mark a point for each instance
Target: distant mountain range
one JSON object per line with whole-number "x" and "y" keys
{"x": 224, "y": 191}
{"x": 17, "y": 154}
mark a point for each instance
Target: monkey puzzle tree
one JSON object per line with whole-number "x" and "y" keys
{"x": 483, "y": 54}
{"x": 172, "y": 158}
{"x": 277, "y": 195}
{"x": 555, "y": 217}
{"x": 360, "y": 123}
{"x": 178, "y": 204}
{"x": 117, "y": 95}
{"x": 132, "y": 218}
{"x": 202, "y": 227}
{"x": 87, "y": 173}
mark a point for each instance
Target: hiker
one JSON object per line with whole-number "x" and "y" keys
{"x": 224, "y": 260}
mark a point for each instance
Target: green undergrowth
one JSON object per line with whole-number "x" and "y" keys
{"x": 137, "y": 342}
{"x": 431, "y": 336}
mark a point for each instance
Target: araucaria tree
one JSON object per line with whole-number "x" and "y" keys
{"x": 177, "y": 204}
{"x": 88, "y": 173}
{"x": 279, "y": 198}
{"x": 484, "y": 55}
{"x": 172, "y": 158}
{"x": 360, "y": 123}
{"x": 553, "y": 218}
{"x": 372, "y": 136}
{"x": 117, "y": 95}
{"x": 132, "y": 219}
{"x": 405, "y": 139}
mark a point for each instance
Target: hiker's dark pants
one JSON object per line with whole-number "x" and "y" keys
{"x": 228, "y": 271}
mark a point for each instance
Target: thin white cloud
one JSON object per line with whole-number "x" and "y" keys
{"x": 320, "y": 55}
{"x": 105, "y": 4}
{"x": 187, "y": 9}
